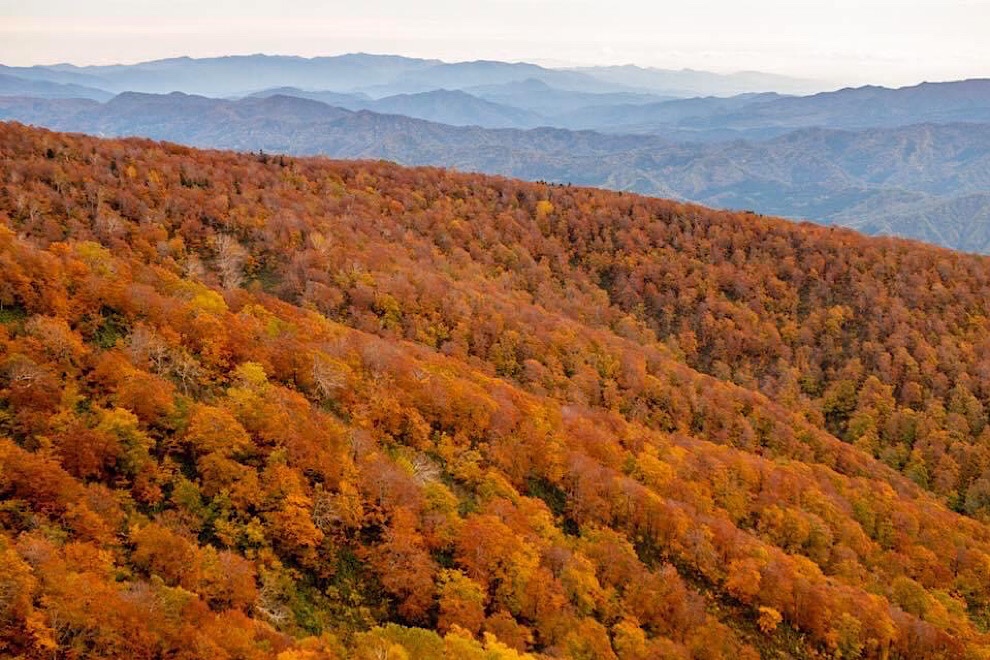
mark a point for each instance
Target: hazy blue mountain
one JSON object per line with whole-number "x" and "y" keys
{"x": 750, "y": 116}
{"x": 538, "y": 96}
{"x": 925, "y": 181}
{"x": 63, "y": 74}
{"x": 689, "y": 82}
{"x": 457, "y": 108}
{"x": 463, "y": 75}
{"x": 862, "y": 107}
{"x": 822, "y": 173}
{"x": 764, "y": 116}
{"x": 671, "y": 114}
{"x": 14, "y": 86}
{"x": 955, "y": 220}
{"x": 354, "y": 101}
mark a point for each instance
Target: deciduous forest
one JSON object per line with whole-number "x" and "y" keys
{"x": 256, "y": 406}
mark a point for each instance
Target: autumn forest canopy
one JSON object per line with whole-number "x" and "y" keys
{"x": 260, "y": 406}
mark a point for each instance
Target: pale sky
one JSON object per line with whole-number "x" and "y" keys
{"x": 847, "y": 41}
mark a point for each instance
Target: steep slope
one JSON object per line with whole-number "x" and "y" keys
{"x": 256, "y": 405}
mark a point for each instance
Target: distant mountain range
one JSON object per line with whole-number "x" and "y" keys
{"x": 913, "y": 161}
{"x": 387, "y": 75}
{"x": 760, "y": 116}
{"x": 753, "y": 116}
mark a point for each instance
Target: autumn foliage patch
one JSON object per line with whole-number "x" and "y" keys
{"x": 298, "y": 408}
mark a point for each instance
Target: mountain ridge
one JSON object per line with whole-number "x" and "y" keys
{"x": 222, "y": 76}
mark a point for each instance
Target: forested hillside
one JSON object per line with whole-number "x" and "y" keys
{"x": 262, "y": 406}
